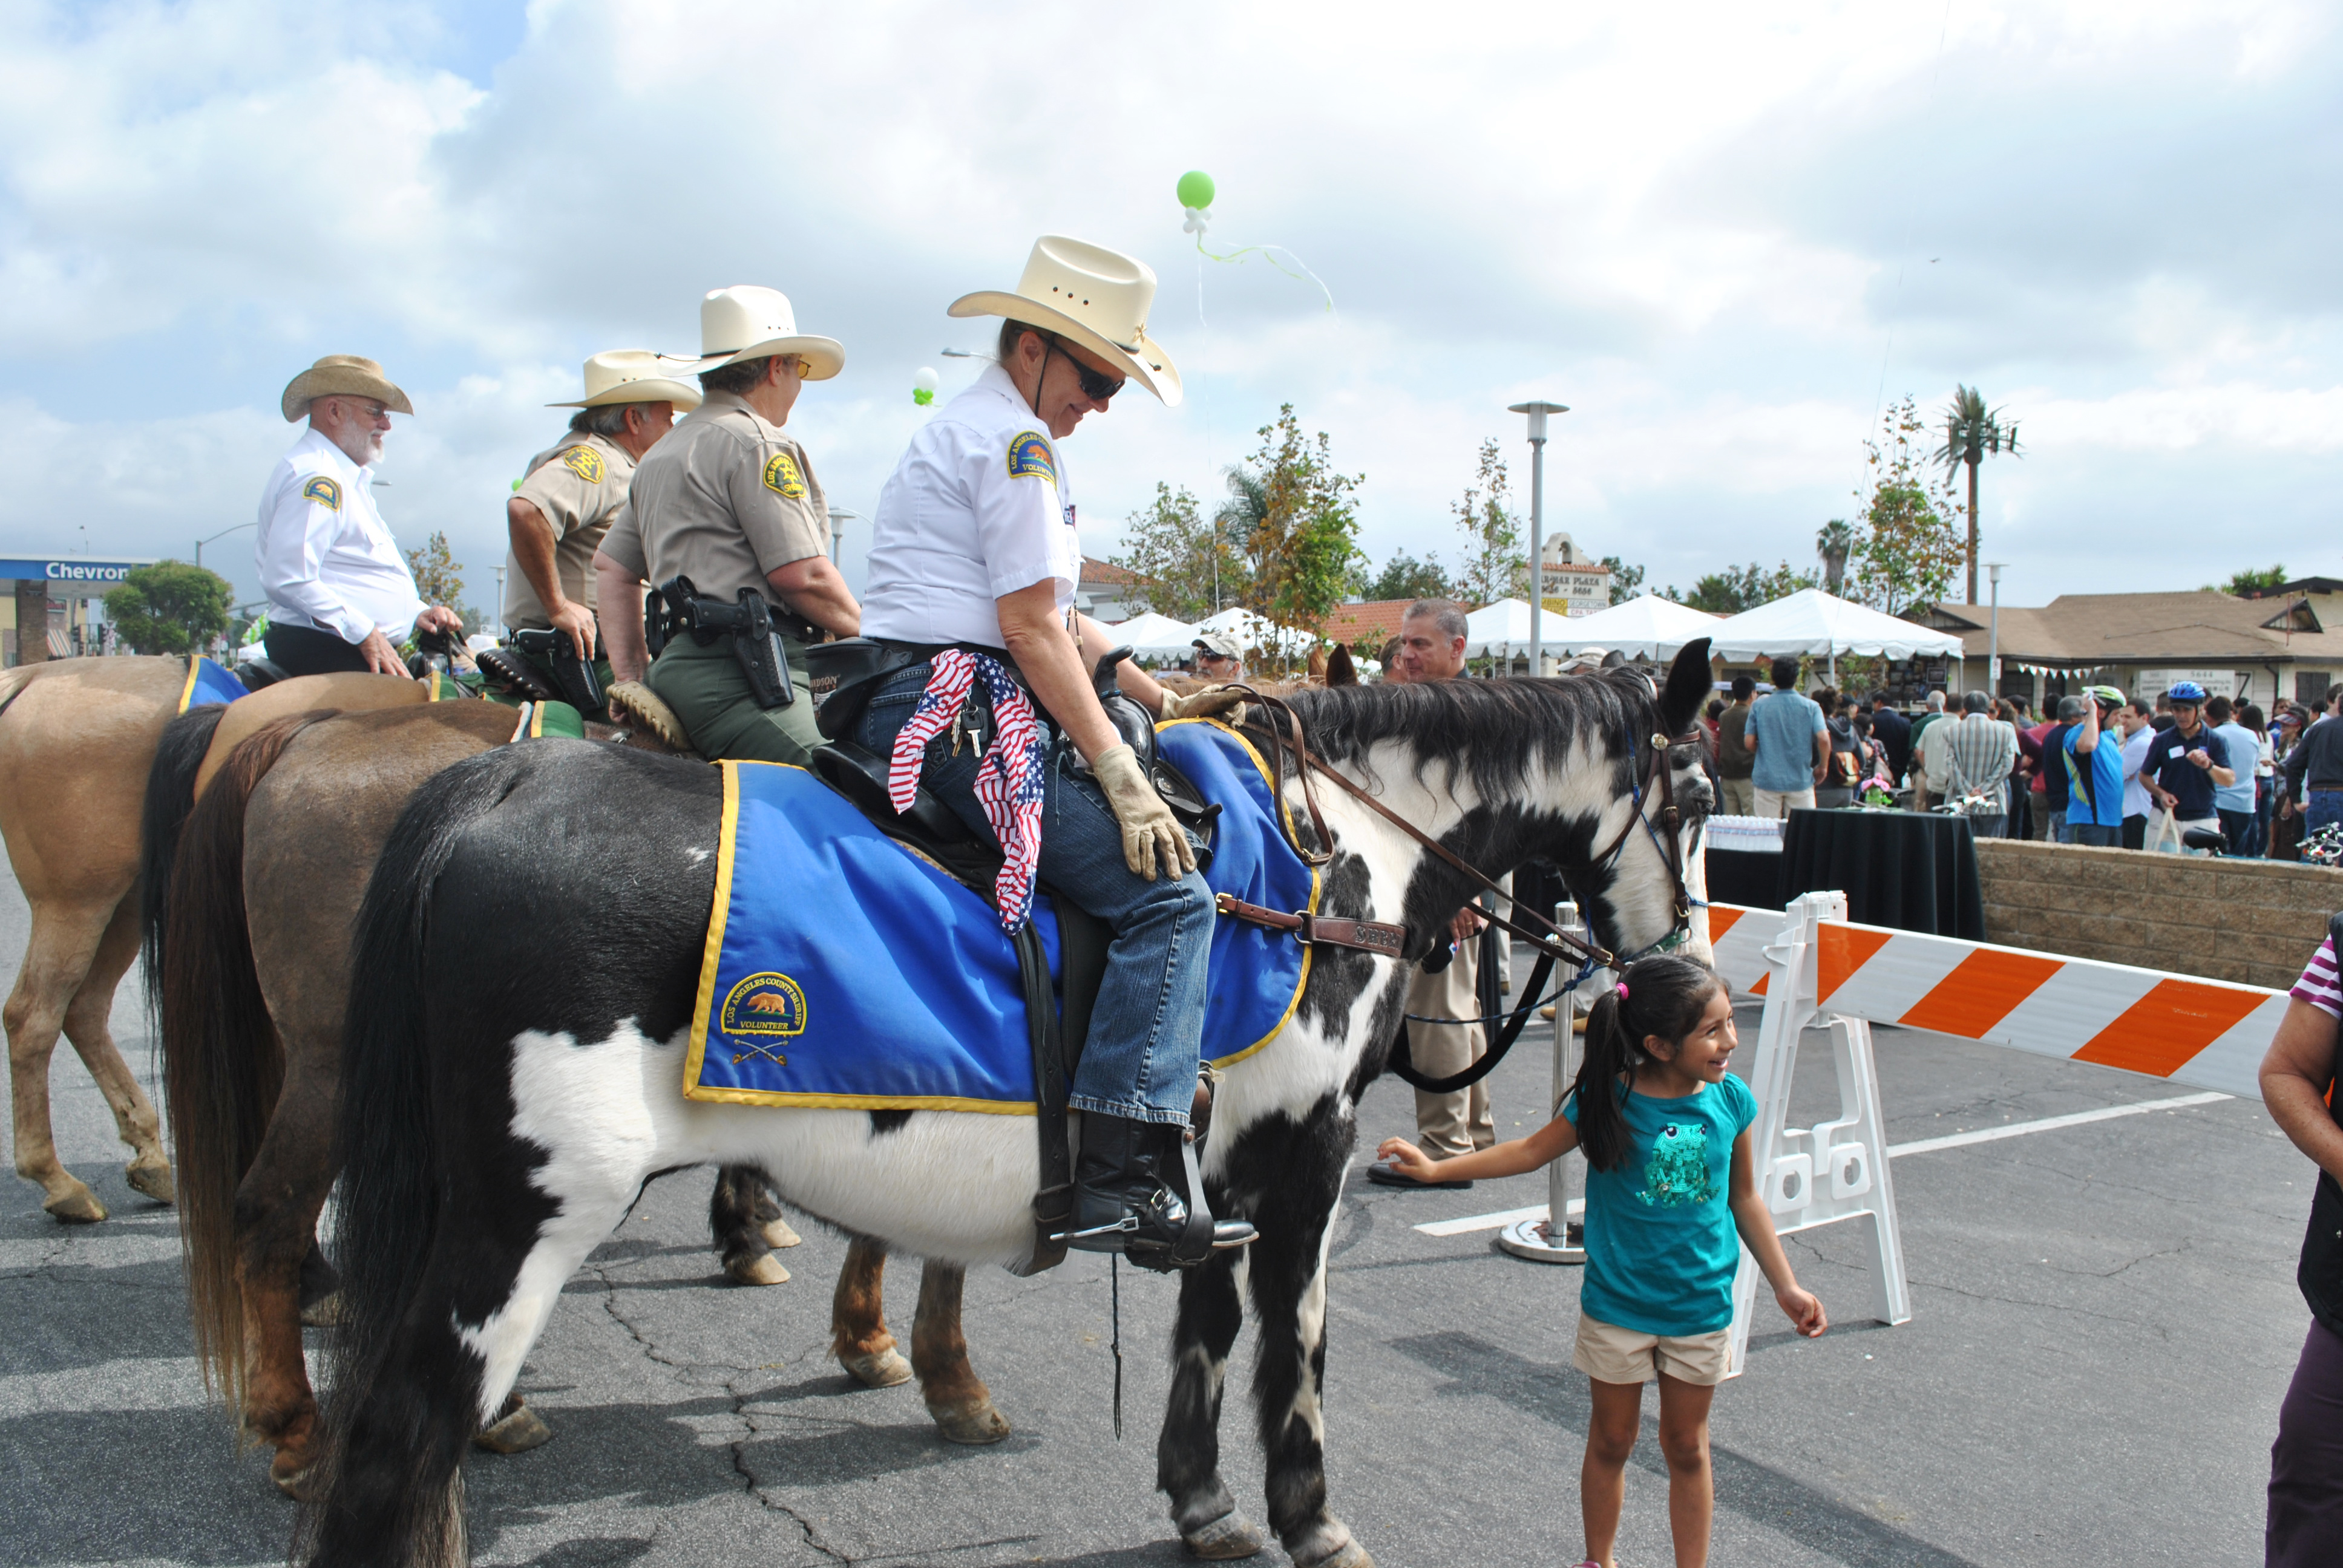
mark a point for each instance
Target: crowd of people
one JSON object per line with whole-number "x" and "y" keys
{"x": 2098, "y": 768}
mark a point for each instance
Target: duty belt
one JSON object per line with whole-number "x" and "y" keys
{"x": 755, "y": 626}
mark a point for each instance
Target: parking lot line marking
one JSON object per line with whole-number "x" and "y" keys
{"x": 1481, "y": 1221}
{"x": 2021, "y": 1128}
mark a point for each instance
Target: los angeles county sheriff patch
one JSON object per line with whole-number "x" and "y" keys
{"x": 781, "y": 477}
{"x": 324, "y": 490}
{"x": 765, "y": 1003}
{"x": 585, "y": 462}
{"x": 1030, "y": 457}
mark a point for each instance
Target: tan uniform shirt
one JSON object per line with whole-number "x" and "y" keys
{"x": 579, "y": 484}
{"x": 724, "y": 499}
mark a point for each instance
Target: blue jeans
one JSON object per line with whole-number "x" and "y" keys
{"x": 2319, "y": 808}
{"x": 1146, "y": 1031}
{"x": 2238, "y": 827}
{"x": 2097, "y": 835}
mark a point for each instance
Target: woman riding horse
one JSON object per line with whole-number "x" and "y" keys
{"x": 973, "y": 565}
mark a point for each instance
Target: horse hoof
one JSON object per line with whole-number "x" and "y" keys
{"x": 779, "y": 1234}
{"x": 519, "y": 1432}
{"x": 324, "y": 1313}
{"x": 76, "y": 1206}
{"x": 764, "y": 1269}
{"x": 151, "y": 1174}
{"x": 884, "y": 1370}
{"x": 1226, "y": 1539}
{"x": 1350, "y": 1554}
{"x": 974, "y": 1425}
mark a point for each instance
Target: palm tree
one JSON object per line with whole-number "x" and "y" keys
{"x": 1834, "y": 543}
{"x": 1239, "y": 520}
{"x": 1972, "y": 430}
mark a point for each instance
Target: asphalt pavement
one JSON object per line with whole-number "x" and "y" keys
{"x": 2104, "y": 1320}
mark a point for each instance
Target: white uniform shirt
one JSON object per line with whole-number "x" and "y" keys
{"x": 326, "y": 560}
{"x": 978, "y": 509}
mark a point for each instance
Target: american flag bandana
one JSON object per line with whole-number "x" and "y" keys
{"x": 1009, "y": 778}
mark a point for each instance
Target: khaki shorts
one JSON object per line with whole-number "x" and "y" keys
{"x": 1609, "y": 1354}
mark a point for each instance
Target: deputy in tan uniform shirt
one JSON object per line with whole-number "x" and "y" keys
{"x": 558, "y": 514}
{"x": 730, "y": 501}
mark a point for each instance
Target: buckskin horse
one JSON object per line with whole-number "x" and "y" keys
{"x": 497, "y": 1127}
{"x": 264, "y": 877}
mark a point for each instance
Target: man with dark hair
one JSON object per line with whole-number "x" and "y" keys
{"x": 2314, "y": 774}
{"x": 2234, "y": 801}
{"x": 1894, "y": 733}
{"x": 2186, "y": 764}
{"x": 2136, "y": 721}
{"x": 1791, "y": 745}
{"x": 2050, "y": 749}
{"x": 1736, "y": 796}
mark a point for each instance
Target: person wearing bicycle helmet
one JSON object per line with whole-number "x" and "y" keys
{"x": 2093, "y": 760}
{"x": 2184, "y": 765}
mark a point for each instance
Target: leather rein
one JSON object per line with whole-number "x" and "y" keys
{"x": 1550, "y": 939}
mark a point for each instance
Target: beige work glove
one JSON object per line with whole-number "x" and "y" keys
{"x": 1150, "y": 832}
{"x": 1226, "y": 701}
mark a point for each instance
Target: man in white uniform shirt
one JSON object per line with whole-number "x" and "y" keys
{"x": 975, "y": 547}
{"x": 339, "y": 593}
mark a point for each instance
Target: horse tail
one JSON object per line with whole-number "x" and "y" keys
{"x": 388, "y": 1486}
{"x": 13, "y": 683}
{"x": 170, "y": 796}
{"x": 222, "y": 1064}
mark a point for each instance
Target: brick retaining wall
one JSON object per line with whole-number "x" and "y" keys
{"x": 2256, "y": 922}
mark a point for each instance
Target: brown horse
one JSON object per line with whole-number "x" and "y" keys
{"x": 269, "y": 872}
{"x": 78, "y": 740}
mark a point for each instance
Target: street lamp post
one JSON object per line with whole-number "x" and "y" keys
{"x": 1537, "y": 413}
{"x": 837, "y": 534}
{"x": 1992, "y": 633}
{"x": 221, "y": 535}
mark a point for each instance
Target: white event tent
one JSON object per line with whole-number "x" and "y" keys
{"x": 1499, "y": 630}
{"x": 1813, "y": 622}
{"x": 1256, "y": 631}
{"x": 1647, "y": 628}
{"x": 1153, "y": 636}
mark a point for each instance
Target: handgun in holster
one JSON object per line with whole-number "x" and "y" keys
{"x": 573, "y": 676}
{"x": 756, "y": 641}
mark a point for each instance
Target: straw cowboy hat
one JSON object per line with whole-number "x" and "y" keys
{"x": 746, "y": 322}
{"x": 1095, "y": 296}
{"x": 346, "y": 375}
{"x": 635, "y": 376}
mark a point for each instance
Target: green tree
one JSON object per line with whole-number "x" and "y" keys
{"x": 1907, "y": 549}
{"x": 440, "y": 579}
{"x": 1971, "y": 432}
{"x": 2249, "y": 582}
{"x": 1300, "y": 527}
{"x": 1736, "y": 588}
{"x": 1404, "y": 577}
{"x": 1192, "y": 567}
{"x": 1495, "y": 565}
{"x": 1625, "y": 581}
{"x": 170, "y": 608}
{"x": 1834, "y": 543}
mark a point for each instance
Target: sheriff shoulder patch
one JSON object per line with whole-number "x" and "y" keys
{"x": 1030, "y": 457}
{"x": 325, "y": 490}
{"x": 585, "y": 462}
{"x": 782, "y": 477}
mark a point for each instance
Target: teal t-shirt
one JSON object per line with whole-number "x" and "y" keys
{"x": 1661, "y": 1248}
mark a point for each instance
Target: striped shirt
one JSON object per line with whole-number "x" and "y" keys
{"x": 2318, "y": 985}
{"x": 1982, "y": 751}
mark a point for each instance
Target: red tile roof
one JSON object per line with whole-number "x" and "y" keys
{"x": 1375, "y": 622}
{"x": 1096, "y": 571}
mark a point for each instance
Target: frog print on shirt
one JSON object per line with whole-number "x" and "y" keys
{"x": 1677, "y": 1172}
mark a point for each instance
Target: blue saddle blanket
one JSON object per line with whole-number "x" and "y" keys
{"x": 845, "y": 971}
{"x": 208, "y": 681}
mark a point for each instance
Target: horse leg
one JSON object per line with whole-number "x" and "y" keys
{"x": 737, "y": 1224}
{"x": 149, "y": 1171}
{"x": 857, "y": 1318}
{"x": 956, "y": 1396}
{"x": 56, "y": 960}
{"x": 1188, "y": 1452}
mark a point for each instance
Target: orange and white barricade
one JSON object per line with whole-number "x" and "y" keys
{"x": 1813, "y": 965}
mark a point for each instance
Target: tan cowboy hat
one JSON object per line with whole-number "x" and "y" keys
{"x": 1096, "y": 297}
{"x": 636, "y": 376}
{"x": 746, "y": 322}
{"x": 347, "y": 374}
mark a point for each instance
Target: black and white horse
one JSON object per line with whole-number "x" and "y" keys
{"x": 497, "y": 1124}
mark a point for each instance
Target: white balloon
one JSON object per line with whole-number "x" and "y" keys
{"x": 926, "y": 379}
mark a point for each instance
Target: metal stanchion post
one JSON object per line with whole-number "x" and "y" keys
{"x": 1559, "y": 1235}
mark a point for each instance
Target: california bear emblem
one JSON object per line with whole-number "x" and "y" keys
{"x": 1677, "y": 1172}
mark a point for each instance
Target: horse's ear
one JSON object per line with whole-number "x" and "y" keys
{"x": 1340, "y": 670}
{"x": 1318, "y": 664}
{"x": 1688, "y": 687}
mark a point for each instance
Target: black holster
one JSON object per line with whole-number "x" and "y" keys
{"x": 573, "y": 676}
{"x": 755, "y": 631}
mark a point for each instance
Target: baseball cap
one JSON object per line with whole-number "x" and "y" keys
{"x": 1221, "y": 643}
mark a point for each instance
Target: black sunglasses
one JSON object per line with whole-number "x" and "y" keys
{"x": 1097, "y": 384}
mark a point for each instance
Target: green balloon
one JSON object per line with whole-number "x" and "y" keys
{"x": 1196, "y": 189}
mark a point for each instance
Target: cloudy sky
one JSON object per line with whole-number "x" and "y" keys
{"x": 1724, "y": 234}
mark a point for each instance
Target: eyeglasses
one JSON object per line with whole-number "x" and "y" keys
{"x": 1206, "y": 656}
{"x": 1097, "y": 384}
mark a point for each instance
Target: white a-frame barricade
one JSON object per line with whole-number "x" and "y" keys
{"x": 1810, "y": 963}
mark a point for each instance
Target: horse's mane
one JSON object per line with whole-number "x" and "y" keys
{"x": 1499, "y": 730}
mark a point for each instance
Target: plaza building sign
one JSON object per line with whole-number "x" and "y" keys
{"x": 1571, "y": 584}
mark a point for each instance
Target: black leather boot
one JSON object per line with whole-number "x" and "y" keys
{"x": 1128, "y": 1197}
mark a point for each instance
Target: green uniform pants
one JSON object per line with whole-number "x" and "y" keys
{"x": 708, "y": 693}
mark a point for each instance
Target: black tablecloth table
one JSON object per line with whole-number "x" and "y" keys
{"x": 1748, "y": 877}
{"x": 1910, "y": 870}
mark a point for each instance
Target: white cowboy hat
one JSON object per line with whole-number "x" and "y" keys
{"x": 636, "y": 376}
{"x": 343, "y": 375}
{"x": 746, "y": 322}
{"x": 1098, "y": 297}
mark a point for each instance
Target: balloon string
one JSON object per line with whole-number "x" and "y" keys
{"x": 1264, "y": 250}
{"x": 1201, "y": 322}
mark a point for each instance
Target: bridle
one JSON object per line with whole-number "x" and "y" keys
{"x": 1551, "y": 941}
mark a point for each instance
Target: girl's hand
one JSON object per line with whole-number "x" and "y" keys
{"x": 1407, "y": 1159}
{"x": 1805, "y": 1311}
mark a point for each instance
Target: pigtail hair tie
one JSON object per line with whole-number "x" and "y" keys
{"x": 1622, "y": 990}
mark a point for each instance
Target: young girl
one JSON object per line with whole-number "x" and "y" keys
{"x": 1669, "y": 1182}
